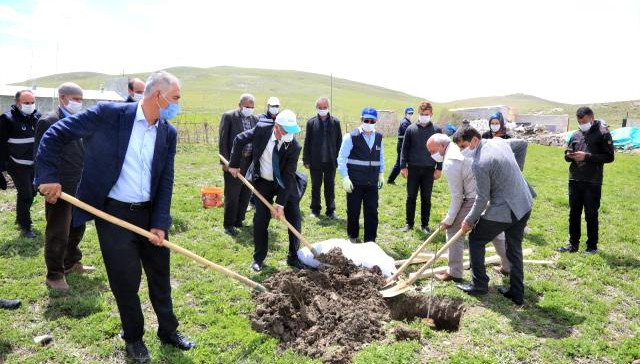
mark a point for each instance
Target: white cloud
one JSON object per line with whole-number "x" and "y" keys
{"x": 571, "y": 51}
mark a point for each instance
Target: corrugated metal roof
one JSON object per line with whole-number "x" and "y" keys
{"x": 48, "y": 92}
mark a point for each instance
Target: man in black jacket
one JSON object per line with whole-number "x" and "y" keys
{"x": 418, "y": 167}
{"x": 321, "y": 145}
{"x": 273, "y": 174}
{"x": 61, "y": 239}
{"x": 404, "y": 124}
{"x": 135, "y": 86}
{"x": 589, "y": 149}
{"x": 273, "y": 108}
{"x": 17, "y": 127}
{"x": 236, "y": 195}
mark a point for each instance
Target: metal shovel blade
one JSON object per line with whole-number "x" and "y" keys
{"x": 399, "y": 288}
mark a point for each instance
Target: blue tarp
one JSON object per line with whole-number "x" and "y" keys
{"x": 626, "y": 138}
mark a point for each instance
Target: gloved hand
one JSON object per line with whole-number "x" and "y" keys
{"x": 347, "y": 185}
{"x": 380, "y": 180}
{"x": 3, "y": 182}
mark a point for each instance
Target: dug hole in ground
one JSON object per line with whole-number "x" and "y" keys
{"x": 332, "y": 312}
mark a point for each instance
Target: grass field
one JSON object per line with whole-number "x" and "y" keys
{"x": 586, "y": 309}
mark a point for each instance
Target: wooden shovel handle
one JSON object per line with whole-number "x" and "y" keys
{"x": 176, "y": 248}
{"x": 414, "y": 255}
{"x": 435, "y": 256}
{"x": 273, "y": 209}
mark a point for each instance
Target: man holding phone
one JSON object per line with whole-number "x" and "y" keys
{"x": 589, "y": 149}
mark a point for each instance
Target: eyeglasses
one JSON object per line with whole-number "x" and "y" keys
{"x": 369, "y": 121}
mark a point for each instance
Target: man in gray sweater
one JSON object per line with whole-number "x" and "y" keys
{"x": 418, "y": 167}
{"x": 499, "y": 183}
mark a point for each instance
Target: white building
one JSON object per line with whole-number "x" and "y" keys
{"x": 47, "y": 97}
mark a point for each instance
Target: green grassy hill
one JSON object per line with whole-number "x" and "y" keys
{"x": 210, "y": 91}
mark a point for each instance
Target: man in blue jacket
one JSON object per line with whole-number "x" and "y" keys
{"x": 404, "y": 124}
{"x": 128, "y": 172}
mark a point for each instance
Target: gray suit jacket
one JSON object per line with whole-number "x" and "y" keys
{"x": 499, "y": 181}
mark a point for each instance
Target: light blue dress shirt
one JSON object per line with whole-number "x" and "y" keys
{"x": 134, "y": 182}
{"x": 346, "y": 147}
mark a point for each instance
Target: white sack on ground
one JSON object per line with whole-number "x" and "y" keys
{"x": 364, "y": 255}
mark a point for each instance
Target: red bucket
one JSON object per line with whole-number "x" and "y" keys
{"x": 211, "y": 197}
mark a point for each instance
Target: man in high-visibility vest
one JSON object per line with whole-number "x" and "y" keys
{"x": 361, "y": 165}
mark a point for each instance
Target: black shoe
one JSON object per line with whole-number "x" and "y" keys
{"x": 425, "y": 229}
{"x": 9, "y": 304}
{"x": 178, "y": 340}
{"x": 256, "y": 266}
{"x": 28, "y": 233}
{"x": 506, "y": 292}
{"x": 295, "y": 263}
{"x": 332, "y": 216}
{"x": 231, "y": 231}
{"x": 137, "y": 351}
{"x": 391, "y": 183}
{"x": 315, "y": 215}
{"x": 471, "y": 289}
{"x": 591, "y": 251}
{"x": 407, "y": 228}
{"x": 568, "y": 249}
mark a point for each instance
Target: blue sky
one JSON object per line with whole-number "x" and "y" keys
{"x": 569, "y": 51}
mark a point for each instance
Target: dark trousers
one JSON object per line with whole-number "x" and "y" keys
{"x": 584, "y": 195}
{"x": 23, "y": 181}
{"x": 236, "y": 196}
{"x": 61, "y": 240}
{"x": 396, "y": 167}
{"x": 366, "y": 196}
{"x": 486, "y": 231}
{"x": 326, "y": 173}
{"x": 419, "y": 178}
{"x": 125, "y": 254}
{"x": 262, "y": 217}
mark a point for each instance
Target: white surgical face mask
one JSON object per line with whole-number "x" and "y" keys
{"x": 585, "y": 127}
{"x": 368, "y": 127}
{"x": 423, "y": 119}
{"x": 136, "y": 97}
{"x": 437, "y": 157}
{"x": 408, "y": 116}
{"x": 468, "y": 152}
{"x": 247, "y": 111}
{"x": 73, "y": 107}
{"x": 495, "y": 127}
{"x": 323, "y": 112}
{"x": 28, "y": 109}
{"x": 274, "y": 110}
{"x": 287, "y": 138}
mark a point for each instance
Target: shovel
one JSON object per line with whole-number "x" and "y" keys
{"x": 273, "y": 209}
{"x": 403, "y": 286}
{"x": 180, "y": 250}
{"x": 413, "y": 256}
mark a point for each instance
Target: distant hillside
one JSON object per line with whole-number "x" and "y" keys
{"x": 207, "y": 92}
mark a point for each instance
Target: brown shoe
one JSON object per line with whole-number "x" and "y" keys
{"x": 79, "y": 268}
{"x": 498, "y": 269}
{"x": 444, "y": 276}
{"x": 57, "y": 284}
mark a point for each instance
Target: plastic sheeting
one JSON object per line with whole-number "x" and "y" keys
{"x": 626, "y": 138}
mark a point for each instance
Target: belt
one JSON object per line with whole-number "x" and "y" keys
{"x": 133, "y": 206}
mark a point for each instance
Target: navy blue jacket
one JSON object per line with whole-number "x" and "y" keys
{"x": 105, "y": 130}
{"x": 402, "y": 129}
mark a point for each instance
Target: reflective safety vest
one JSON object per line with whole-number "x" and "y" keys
{"x": 363, "y": 164}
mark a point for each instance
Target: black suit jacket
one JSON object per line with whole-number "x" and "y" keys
{"x": 71, "y": 157}
{"x": 289, "y": 153}
{"x": 230, "y": 127}
{"x": 312, "y": 154}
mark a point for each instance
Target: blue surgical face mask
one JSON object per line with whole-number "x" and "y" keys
{"x": 170, "y": 111}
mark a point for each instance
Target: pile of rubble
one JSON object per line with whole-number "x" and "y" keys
{"x": 537, "y": 134}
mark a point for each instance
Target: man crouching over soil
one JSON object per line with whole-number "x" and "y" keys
{"x": 128, "y": 173}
